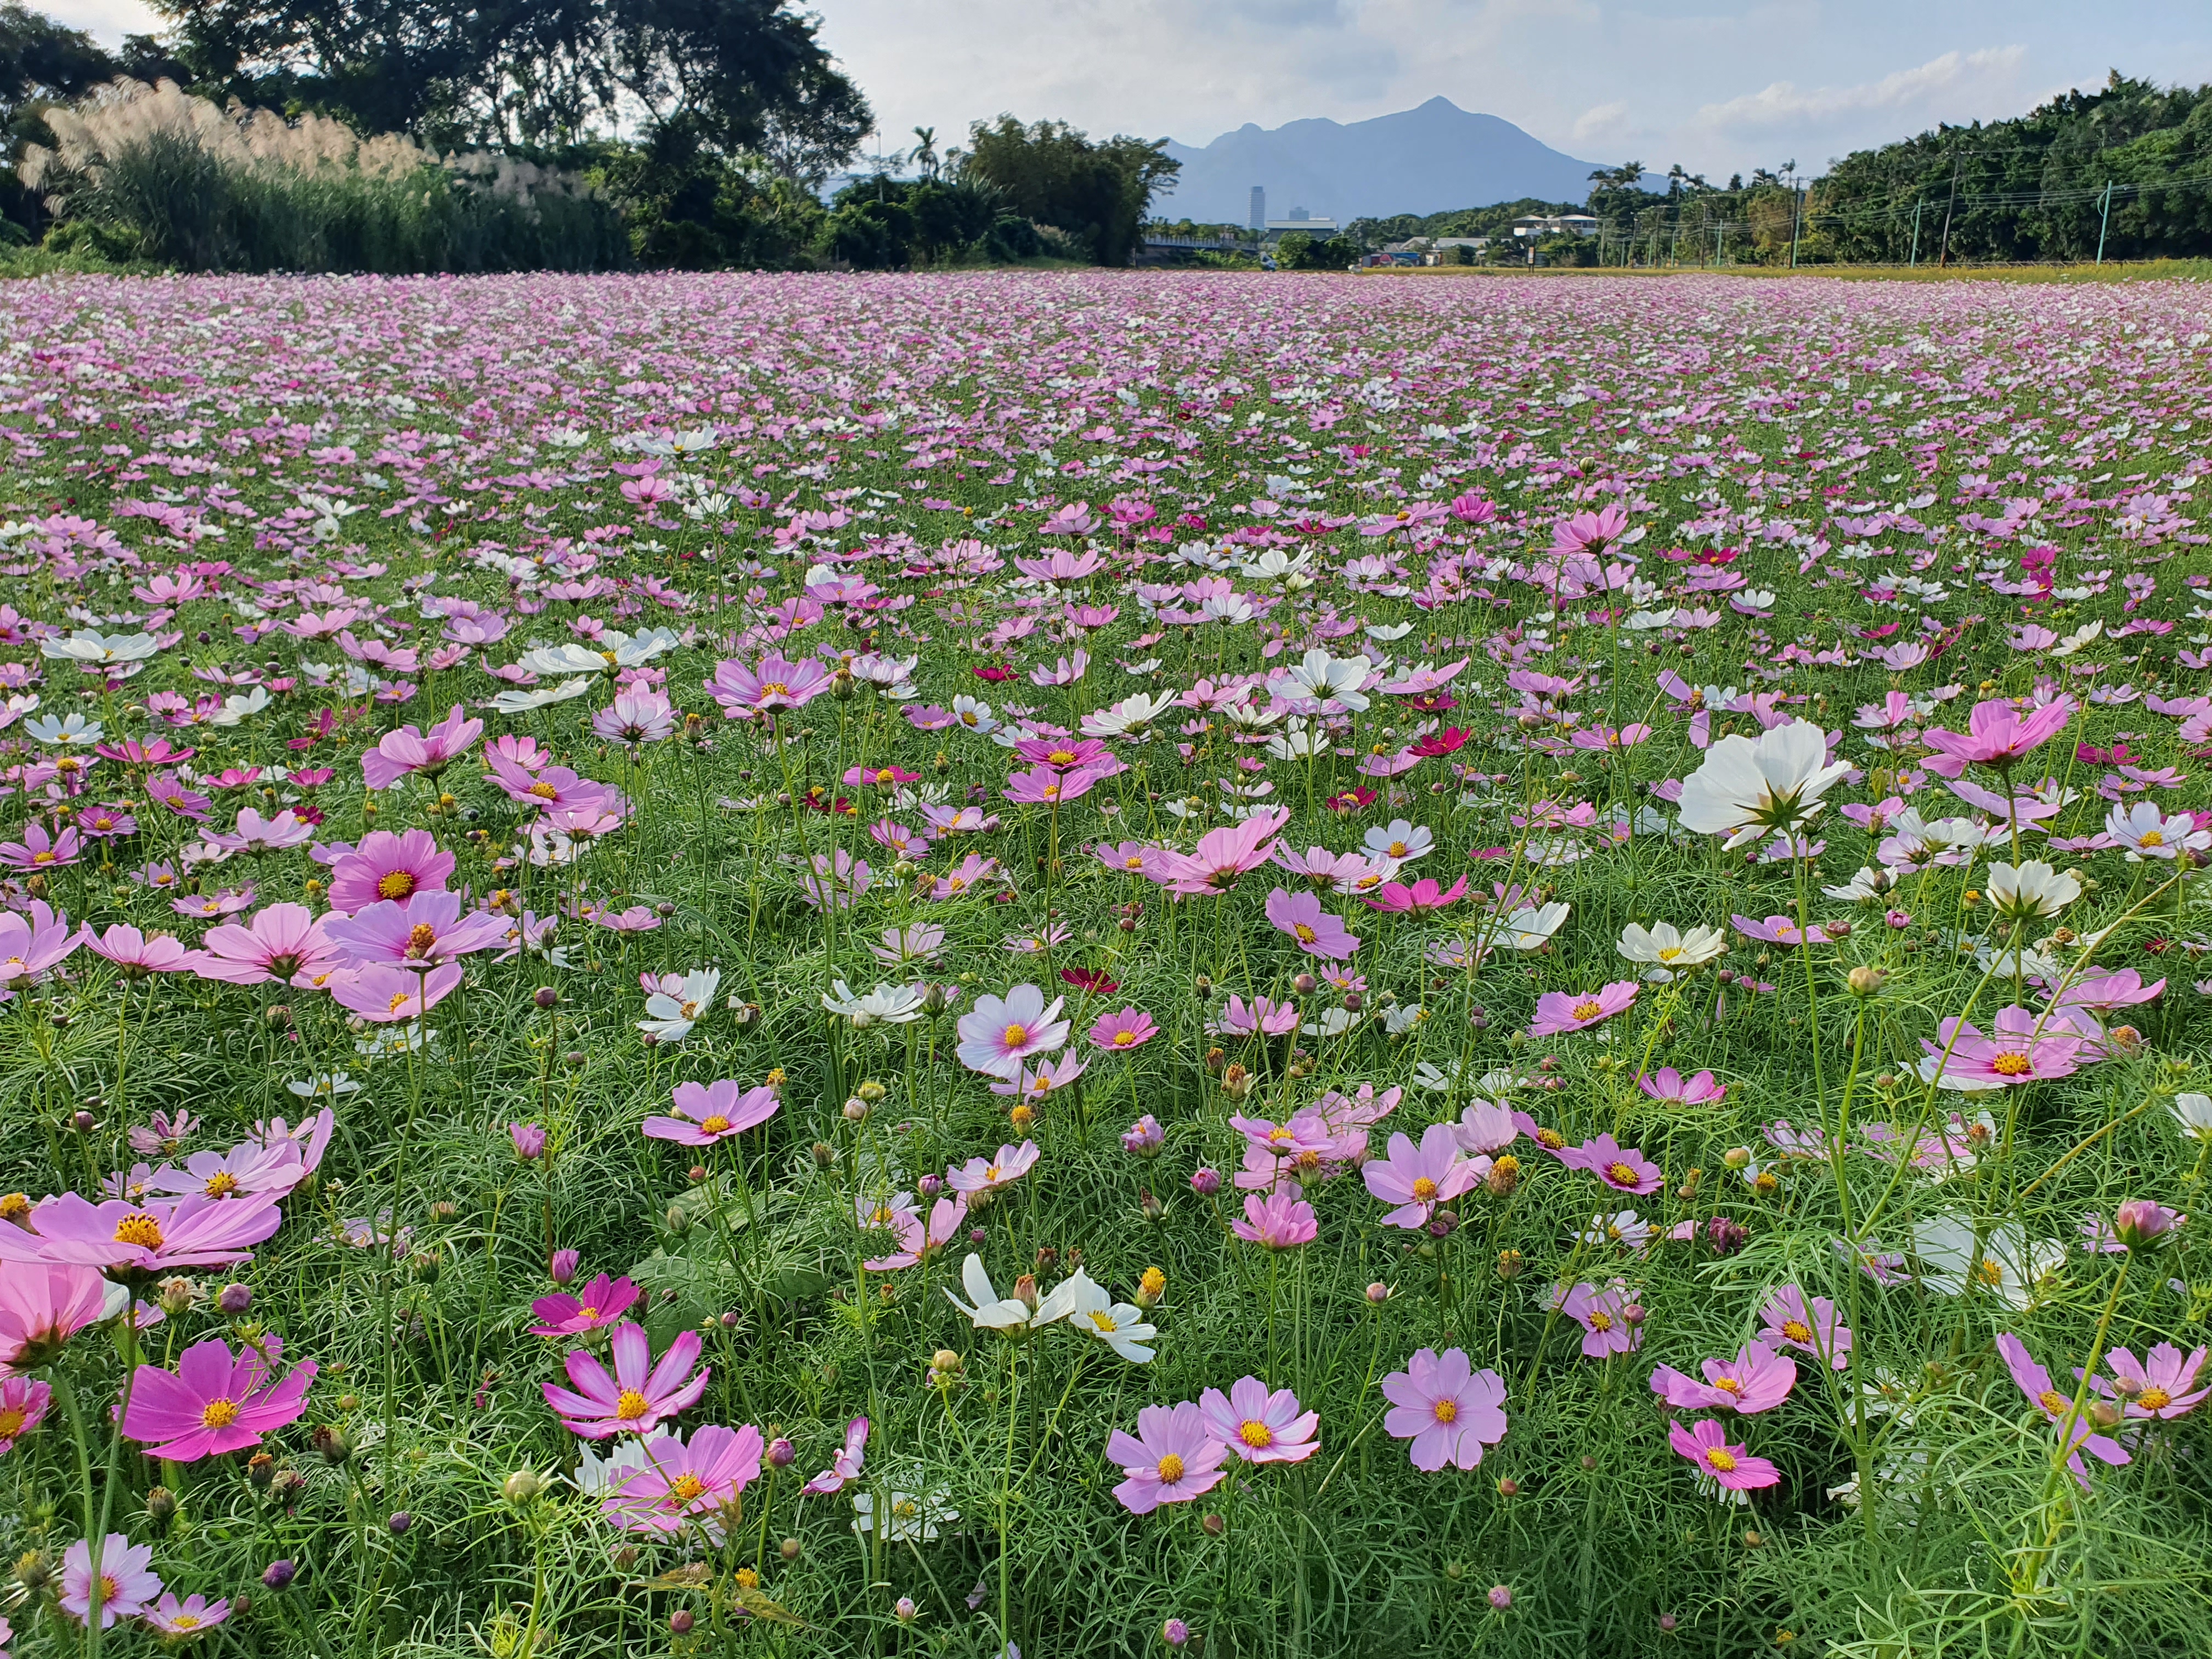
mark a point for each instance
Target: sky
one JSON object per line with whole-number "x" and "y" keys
{"x": 1719, "y": 88}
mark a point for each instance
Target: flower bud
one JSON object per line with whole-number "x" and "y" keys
{"x": 1025, "y": 1291}
{"x": 2142, "y": 1221}
{"x": 279, "y": 1574}
{"x": 1864, "y": 981}
{"x": 1500, "y": 1597}
{"x": 680, "y": 1621}
{"x": 930, "y": 1185}
{"x": 1505, "y": 1175}
{"x": 400, "y": 1522}
{"x": 1736, "y": 1157}
{"x": 944, "y": 1364}
{"x": 161, "y": 1505}
{"x": 790, "y": 1549}
{"x": 904, "y": 1610}
{"x": 782, "y": 1453}
{"x": 856, "y": 1110}
{"x": 1214, "y": 1525}
{"x": 563, "y": 1268}
{"x": 824, "y": 1154}
{"x": 1507, "y": 1486}
{"x": 1305, "y": 985}
{"x": 1235, "y": 1081}
{"x": 1175, "y": 1633}
{"x": 1205, "y": 1182}
{"x": 178, "y": 1295}
{"x": 2105, "y": 1414}
{"x": 1378, "y": 1293}
{"x": 522, "y": 1487}
{"x": 329, "y": 1442}
{"x": 1509, "y": 1264}
{"x": 1154, "y": 1211}
{"x": 546, "y": 997}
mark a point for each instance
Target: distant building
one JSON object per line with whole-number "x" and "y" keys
{"x": 1529, "y": 226}
{"x": 1300, "y": 220}
{"x": 1259, "y": 218}
{"x": 1478, "y": 243}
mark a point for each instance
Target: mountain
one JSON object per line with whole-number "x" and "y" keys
{"x": 1418, "y": 160}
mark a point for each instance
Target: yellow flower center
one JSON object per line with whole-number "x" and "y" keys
{"x": 1014, "y": 1035}
{"x": 11, "y": 1423}
{"x": 1399, "y": 849}
{"x": 1797, "y": 1330}
{"x": 1171, "y": 1468}
{"x": 685, "y": 1487}
{"x": 184, "y": 1621}
{"x": 1551, "y": 1138}
{"x": 630, "y": 1405}
{"x": 1104, "y": 1321}
{"x": 590, "y": 1315}
{"x": 1600, "y": 1320}
{"x": 1668, "y": 952}
{"x": 1061, "y": 757}
{"x": 777, "y": 687}
{"x": 1305, "y": 934}
{"x": 397, "y": 884}
{"x": 140, "y": 1228}
{"x": 1620, "y": 1174}
{"x": 1256, "y": 1434}
{"x": 398, "y": 1001}
{"x": 543, "y": 790}
{"x": 2010, "y": 1065}
{"x": 42, "y": 858}
{"x": 1425, "y": 1189}
{"x": 2153, "y": 1399}
{"x": 219, "y": 1414}
{"x": 719, "y": 1125}
{"x": 884, "y": 774}
{"x": 1720, "y": 1461}
{"x": 2148, "y": 838}
{"x": 1447, "y": 1411}
{"x": 420, "y": 937}
{"x": 1124, "y": 1039}
{"x": 2054, "y": 1402}
{"x": 221, "y": 1184}
{"x": 1728, "y": 1385}
{"x": 1988, "y": 1272}
{"x": 1588, "y": 1008}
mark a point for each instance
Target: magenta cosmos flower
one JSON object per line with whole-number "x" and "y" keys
{"x": 2164, "y": 1385}
{"x": 136, "y": 955}
{"x": 142, "y": 1240}
{"x": 638, "y": 1394}
{"x": 215, "y": 1402}
{"x": 1668, "y": 1084}
{"x": 42, "y": 1305}
{"x": 770, "y": 689}
{"x": 1558, "y": 1011}
{"x": 1172, "y": 1458}
{"x": 1423, "y": 894}
{"x": 1130, "y": 1029}
{"x": 1418, "y": 1178}
{"x": 713, "y": 1111}
{"x": 279, "y": 942}
{"x": 388, "y": 866}
{"x": 398, "y": 753}
{"x": 1604, "y": 1315}
{"x": 1259, "y": 1426}
{"x": 597, "y": 1306}
{"x": 1279, "y": 1221}
{"x": 1316, "y": 931}
{"x": 1222, "y": 856}
{"x": 2058, "y": 1408}
{"x": 1624, "y": 1169}
{"x": 425, "y": 929}
{"x": 999, "y": 1033}
{"x": 1996, "y": 735}
{"x": 1707, "y": 1445}
{"x": 983, "y": 1175}
{"x": 1757, "y": 1379}
{"x": 680, "y": 1484}
{"x": 1448, "y": 1410}
{"x": 1792, "y": 1319}
{"x": 23, "y": 1405}
{"x": 126, "y": 1583}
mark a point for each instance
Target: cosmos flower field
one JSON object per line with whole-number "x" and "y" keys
{"x": 1097, "y": 965}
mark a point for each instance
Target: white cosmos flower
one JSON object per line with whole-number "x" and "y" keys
{"x": 87, "y": 645}
{"x": 1085, "y": 1305}
{"x": 990, "y": 1311}
{"x": 1400, "y": 842}
{"x": 1746, "y": 787}
{"x": 670, "y": 1018}
{"x": 327, "y": 1085}
{"x": 887, "y": 1005}
{"x": 2004, "y": 1263}
{"x": 1126, "y": 715}
{"x": 610, "y": 652}
{"x": 906, "y": 1518}
{"x": 2147, "y": 833}
{"x": 1388, "y": 633}
{"x": 2032, "y": 888}
{"x": 1869, "y": 883}
{"x": 1666, "y": 948}
{"x": 2193, "y": 1112}
{"x": 237, "y": 709}
{"x": 1330, "y": 679}
{"x": 73, "y": 731}
{"x": 1298, "y": 742}
{"x": 1527, "y": 929}
{"x": 521, "y": 702}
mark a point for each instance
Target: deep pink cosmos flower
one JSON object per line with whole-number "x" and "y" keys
{"x": 638, "y": 1394}
{"x": 215, "y": 1402}
{"x": 1624, "y": 1169}
{"x": 1757, "y": 1379}
{"x": 1792, "y": 1319}
{"x": 1707, "y": 1444}
{"x": 680, "y": 1484}
{"x": 42, "y": 1305}
{"x": 23, "y": 1405}
{"x": 426, "y": 930}
{"x": 850, "y": 1460}
{"x": 597, "y": 1306}
{"x": 1448, "y": 1410}
{"x": 283, "y": 942}
{"x": 1259, "y": 1426}
{"x": 2058, "y": 1408}
{"x": 142, "y": 1240}
{"x": 126, "y": 1582}
{"x": 1417, "y": 1179}
{"x": 1222, "y": 856}
{"x": 999, "y": 1033}
{"x": 1318, "y": 933}
{"x": 1172, "y": 1458}
{"x": 1604, "y": 1316}
{"x": 2165, "y": 1384}
{"x": 385, "y": 995}
{"x": 1558, "y": 1011}
{"x": 398, "y": 753}
{"x": 1130, "y": 1029}
{"x": 1996, "y": 735}
{"x": 136, "y": 954}
{"x": 713, "y": 1111}
{"x": 1424, "y": 894}
{"x": 387, "y": 866}
{"x": 1280, "y": 1221}
{"x": 1668, "y": 1084}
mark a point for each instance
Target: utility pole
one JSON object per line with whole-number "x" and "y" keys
{"x": 1943, "y": 258}
{"x": 1797, "y": 203}
{"x": 2104, "y": 219}
{"x": 1913, "y": 258}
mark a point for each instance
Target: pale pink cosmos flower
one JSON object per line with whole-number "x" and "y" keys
{"x": 187, "y": 1618}
{"x": 1417, "y": 1179}
{"x": 673, "y": 1485}
{"x": 919, "y": 1240}
{"x": 1318, "y": 933}
{"x": 1808, "y": 1324}
{"x": 1222, "y": 855}
{"x": 246, "y": 1170}
{"x": 1560, "y": 1010}
{"x": 42, "y": 1305}
{"x": 1264, "y": 1017}
{"x": 1757, "y": 1379}
{"x": 2058, "y": 1409}
{"x": 999, "y": 1033}
{"x": 2016, "y": 1052}
{"x": 126, "y": 1583}
{"x": 283, "y": 942}
{"x": 2164, "y": 1384}
{"x": 980, "y": 1175}
{"x": 1604, "y": 1316}
{"x": 713, "y": 1111}
{"x": 386, "y": 866}
{"x": 1280, "y": 1221}
{"x": 770, "y": 688}
{"x": 1996, "y": 735}
{"x": 385, "y": 995}
{"x": 33, "y": 944}
{"x": 637, "y": 1394}
{"x": 1338, "y": 872}
{"x": 1780, "y": 930}
{"x": 1040, "y": 1079}
{"x": 1260, "y": 1426}
{"x": 1668, "y": 1084}
{"x": 152, "y": 1237}
{"x": 215, "y": 1401}
{"x": 23, "y": 1404}
{"x": 398, "y": 753}
{"x": 1449, "y": 1411}
{"x": 1707, "y": 1444}
{"x": 136, "y": 954}
{"x": 1171, "y": 1459}
{"x": 845, "y": 1465}
{"x": 637, "y": 716}
{"x": 427, "y": 928}
{"x": 1484, "y": 1128}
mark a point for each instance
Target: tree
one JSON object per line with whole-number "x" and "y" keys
{"x": 1097, "y": 192}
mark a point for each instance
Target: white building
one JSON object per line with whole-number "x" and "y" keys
{"x": 1530, "y": 225}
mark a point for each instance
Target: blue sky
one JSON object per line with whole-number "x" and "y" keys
{"x": 1719, "y": 88}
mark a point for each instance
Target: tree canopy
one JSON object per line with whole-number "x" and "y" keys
{"x": 1097, "y": 190}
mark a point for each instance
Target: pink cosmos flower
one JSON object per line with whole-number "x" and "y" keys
{"x": 427, "y": 928}
{"x": 713, "y": 1111}
{"x": 215, "y": 1402}
{"x": 1038, "y": 1079}
{"x": 637, "y": 716}
{"x": 2016, "y": 1053}
{"x": 248, "y": 1170}
{"x": 1624, "y": 1169}
{"x": 1707, "y": 1444}
{"x": 845, "y": 1465}
{"x": 1484, "y": 1128}
{"x": 1417, "y": 1180}
{"x": 771, "y": 687}
{"x": 187, "y": 1618}
{"x": 1222, "y": 855}
{"x": 598, "y": 1305}
{"x": 398, "y": 753}
{"x": 23, "y": 1405}
{"x": 1258, "y": 1426}
{"x": 980, "y": 1175}
{"x": 1171, "y": 1459}
{"x": 1996, "y": 735}
{"x": 1265, "y": 1017}
{"x": 919, "y": 1240}
{"x": 1557, "y": 1010}
{"x": 385, "y": 995}
{"x": 386, "y": 866}
{"x": 1792, "y": 1319}
{"x": 1779, "y": 930}
{"x": 1669, "y": 1085}
{"x": 143, "y": 1239}
{"x": 1587, "y": 535}
{"x": 1130, "y": 1029}
{"x": 1448, "y": 1410}
{"x": 1757, "y": 1380}
{"x": 1041, "y": 786}
{"x": 678, "y": 1484}
{"x": 33, "y": 946}
{"x": 638, "y": 1394}
{"x": 1318, "y": 933}
{"x": 283, "y": 942}
{"x": 136, "y": 955}
{"x": 38, "y": 851}
{"x": 2162, "y": 1386}
{"x": 42, "y": 1305}
{"x": 1340, "y": 873}
{"x": 2058, "y": 1408}
{"x": 1280, "y": 1221}
{"x": 1397, "y": 897}
{"x": 999, "y": 1033}
{"x": 1604, "y": 1315}
{"x": 126, "y": 1585}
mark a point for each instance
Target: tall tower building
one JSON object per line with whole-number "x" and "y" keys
{"x": 1259, "y": 209}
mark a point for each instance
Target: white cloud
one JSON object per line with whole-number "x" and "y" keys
{"x": 1603, "y": 123}
{"x": 1947, "y": 85}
